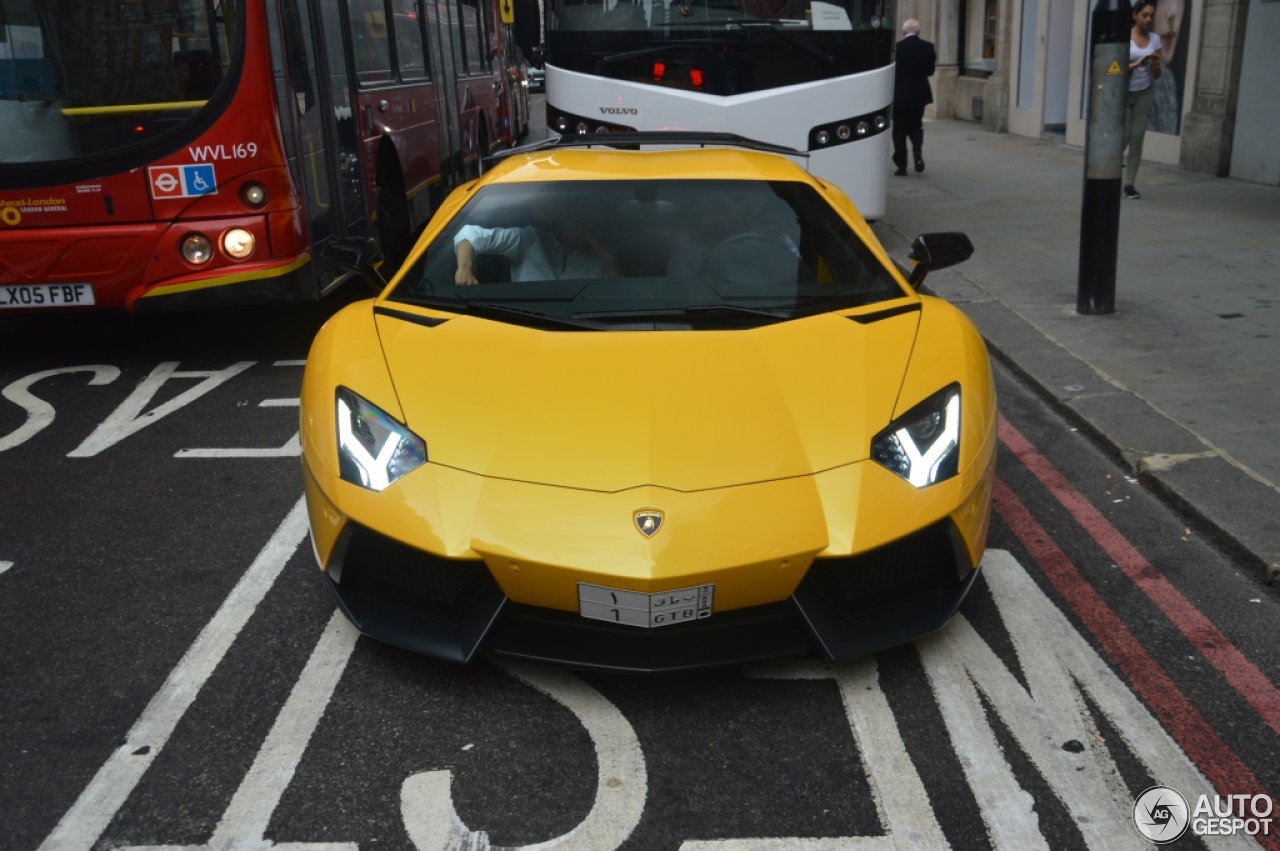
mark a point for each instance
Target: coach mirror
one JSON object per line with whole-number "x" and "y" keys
{"x": 357, "y": 255}
{"x": 937, "y": 251}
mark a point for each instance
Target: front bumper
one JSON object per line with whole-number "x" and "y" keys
{"x": 843, "y": 608}
{"x": 843, "y": 564}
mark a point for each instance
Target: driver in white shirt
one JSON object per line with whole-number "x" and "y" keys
{"x": 556, "y": 247}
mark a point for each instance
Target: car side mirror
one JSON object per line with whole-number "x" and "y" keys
{"x": 937, "y": 251}
{"x": 358, "y": 255}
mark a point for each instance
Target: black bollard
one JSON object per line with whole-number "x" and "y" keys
{"x": 1104, "y": 156}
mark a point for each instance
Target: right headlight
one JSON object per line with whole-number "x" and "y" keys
{"x": 373, "y": 449}
{"x": 923, "y": 445}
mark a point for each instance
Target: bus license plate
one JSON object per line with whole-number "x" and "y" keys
{"x": 646, "y": 610}
{"x": 45, "y": 295}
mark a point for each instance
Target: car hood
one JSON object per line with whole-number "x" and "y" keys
{"x": 687, "y": 410}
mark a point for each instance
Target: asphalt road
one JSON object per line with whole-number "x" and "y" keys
{"x": 174, "y": 673}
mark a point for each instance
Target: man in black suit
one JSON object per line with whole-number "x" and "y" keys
{"x": 911, "y": 94}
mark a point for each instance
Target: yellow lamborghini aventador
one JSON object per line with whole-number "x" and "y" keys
{"x": 649, "y": 409}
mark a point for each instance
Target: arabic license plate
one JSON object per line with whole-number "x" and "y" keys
{"x": 45, "y": 295}
{"x": 646, "y": 610}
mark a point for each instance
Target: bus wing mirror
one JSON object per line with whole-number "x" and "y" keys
{"x": 528, "y": 28}
{"x": 937, "y": 251}
{"x": 357, "y": 255}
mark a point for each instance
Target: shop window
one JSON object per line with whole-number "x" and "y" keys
{"x": 980, "y": 37}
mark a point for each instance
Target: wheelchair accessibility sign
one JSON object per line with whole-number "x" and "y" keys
{"x": 182, "y": 181}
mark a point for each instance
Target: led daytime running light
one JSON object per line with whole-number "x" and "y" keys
{"x": 373, "y": 449}
{"x": 924, "y": 445}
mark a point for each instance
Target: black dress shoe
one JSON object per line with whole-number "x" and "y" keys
{"x": 902, "y": 171}
{"x": 919, "y": 163}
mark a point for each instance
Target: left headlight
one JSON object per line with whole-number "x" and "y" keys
{"x": 373, "y": 449}
{"x": 923, "y": 445}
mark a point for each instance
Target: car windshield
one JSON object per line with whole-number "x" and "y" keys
{"x": 635, "y": 253}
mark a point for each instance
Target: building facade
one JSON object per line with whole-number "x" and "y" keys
{"x": 1019, "y": 66}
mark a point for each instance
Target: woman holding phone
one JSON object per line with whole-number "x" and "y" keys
{"x": 1144, "y": 69}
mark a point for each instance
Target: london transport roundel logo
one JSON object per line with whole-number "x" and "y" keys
{"x": 1161, "y": 814}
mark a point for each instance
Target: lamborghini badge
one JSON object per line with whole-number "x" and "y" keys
{"x": 649, "y": 521}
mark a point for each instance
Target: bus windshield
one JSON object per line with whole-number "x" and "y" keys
{"x": 721, "y": 47}
{"x": 83, "y": 78}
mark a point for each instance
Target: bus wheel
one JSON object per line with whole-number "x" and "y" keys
{"x": 393, "y": 221}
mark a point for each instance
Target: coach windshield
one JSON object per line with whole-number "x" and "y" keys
{"x": 722, "y": 47}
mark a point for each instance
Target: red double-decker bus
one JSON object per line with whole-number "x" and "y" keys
{"x": 187, "y": 153}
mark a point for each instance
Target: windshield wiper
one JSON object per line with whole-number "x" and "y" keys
{"x": 633, "y": 54}
{"x": 493, "y": 310}
{"x": 692, "y": 310}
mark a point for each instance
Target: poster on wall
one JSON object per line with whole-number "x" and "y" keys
{"x": 1172, "y": 16}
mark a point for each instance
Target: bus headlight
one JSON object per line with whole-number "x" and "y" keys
{"x": 881, "y": 122}
{"x": 196, "y": 249}
{"x": 843, "y": 132}
{"x": 238, "y": 243}
{"x": 863, "y": 128}
{"x": 823, "y": 137}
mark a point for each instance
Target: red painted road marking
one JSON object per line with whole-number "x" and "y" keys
{"x": 1242, "y": 674}
{"x": 1219, "y": 763}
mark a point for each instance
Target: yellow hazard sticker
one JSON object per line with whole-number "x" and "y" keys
{"x": 1114, "y": 70}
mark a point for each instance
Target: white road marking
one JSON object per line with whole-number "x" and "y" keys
{"x": 80, "y": 828}
{"x": 244, "y": 824}
{"x": 621, "y": 790}
{"x": 5, "y": 565}
{"x": 1058, "y": 663}
{"x": 291, "y": 449}
{"x": 40, "y": 413}
{"x": 902, "y": 803}
{"x": 280, "y": 403}
{"x": 290, "y": 363}
{"x": 1007, "y": 809}
{"x": 128, "y": 418}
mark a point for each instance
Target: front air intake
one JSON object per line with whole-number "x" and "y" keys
{"x": 370, "y": 565}
{"x": 890, "y": 575}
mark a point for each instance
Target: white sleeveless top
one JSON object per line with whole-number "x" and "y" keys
{"x": 1140, "y": 77}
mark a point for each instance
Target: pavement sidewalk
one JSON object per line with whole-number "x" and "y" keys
{"x": 1182, "y": 382}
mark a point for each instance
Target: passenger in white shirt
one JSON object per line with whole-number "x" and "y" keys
{"x": 555, "y": 248}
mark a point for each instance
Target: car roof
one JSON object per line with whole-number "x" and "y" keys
{"x": 709, "y": 163}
